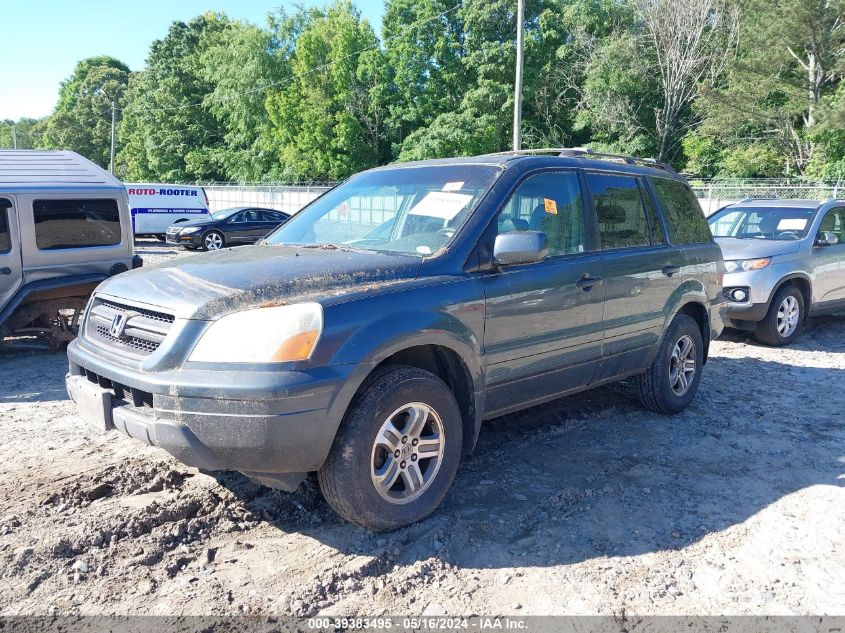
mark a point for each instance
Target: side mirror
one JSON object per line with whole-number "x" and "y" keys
{"x": 826, "y": 238}
{"x": 520, "y": 247}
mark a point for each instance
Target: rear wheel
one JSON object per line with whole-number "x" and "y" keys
{"x": 397, "y": 451}
{"x": 212, "y": 241}
{"x": 672, "y": 381}
{"x": 782, "y": 322}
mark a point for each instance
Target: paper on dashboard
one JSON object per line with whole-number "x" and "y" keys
{"x": 441, "y": 204}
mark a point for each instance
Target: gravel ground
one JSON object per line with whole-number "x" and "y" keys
{"x": 588, "y": 505}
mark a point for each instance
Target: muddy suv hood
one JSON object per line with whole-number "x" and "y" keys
{"x": 209, "y": 285}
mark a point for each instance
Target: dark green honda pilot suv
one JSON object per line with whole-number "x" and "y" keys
{"x": 369, "y": 337}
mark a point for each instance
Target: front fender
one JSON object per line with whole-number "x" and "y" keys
{"x": 366, "y": 331}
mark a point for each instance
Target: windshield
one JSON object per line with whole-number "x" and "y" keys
{"x": 224, "y": 213}
{"x": 762, "y": 223}
{"x": 407, "y": 210}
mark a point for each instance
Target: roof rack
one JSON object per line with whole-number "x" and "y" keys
{"x": 586, "y": 152}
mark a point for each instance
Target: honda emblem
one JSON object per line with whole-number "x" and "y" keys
{"x": 118, "y": 325}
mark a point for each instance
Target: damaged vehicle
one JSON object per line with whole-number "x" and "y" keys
{"x": 492, "y": 284}
{"x": 64, "y": 228}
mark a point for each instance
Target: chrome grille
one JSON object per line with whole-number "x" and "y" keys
{"x": 128, "y": 341}
{"x": 150, "y": 314}
{"x": 141, "y": 333}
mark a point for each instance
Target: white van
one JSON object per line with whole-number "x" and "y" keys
{"x": 156, "y": 206}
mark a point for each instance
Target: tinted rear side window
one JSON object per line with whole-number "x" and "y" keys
{"x": 684, "y": 216}
{"x": 76, "y": 223}
{"x": 5, "y": 237}
{"x": 272, "y": 216}
{"x": 619, "y": 209}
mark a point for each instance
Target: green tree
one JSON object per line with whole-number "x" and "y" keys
{"x": 482, "y": 121}
{"x": 423, "y": 50}
{"x": 703, "y": 154}
{"x": 25, "y": 133}
{"x": 756, "y": 160}
{"x": 244, "y": 63}
{"x": 169, "y": 129}
{"x": 71, "y": 89}
{"x": 620, "y": 97}
{"x": 82, "y": 120}
{"x": 559, "y": 109}
{"x": 790, "y": 58}
{"x": 324, "y": 119}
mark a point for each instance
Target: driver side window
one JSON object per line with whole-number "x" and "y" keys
{"x": 834, "y": 222}
{"x": 551, "y": 203}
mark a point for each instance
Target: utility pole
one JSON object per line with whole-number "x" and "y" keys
{"x": 517, "y": 92}
{"x": 111, "y": 160}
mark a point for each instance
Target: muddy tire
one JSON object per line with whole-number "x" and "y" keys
{"x": 782, "y": 322}
{"x": 672, "y": 381}
{"x": 397, "y": 450}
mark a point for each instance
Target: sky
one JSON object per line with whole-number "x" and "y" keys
{"x": 43, "y": 39}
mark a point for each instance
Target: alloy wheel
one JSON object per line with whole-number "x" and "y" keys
{"x": 788, "y": 316}
{"x": 407, "y": 453}
{"x": 213, "y": 241}
{"x": 682, "y": 365}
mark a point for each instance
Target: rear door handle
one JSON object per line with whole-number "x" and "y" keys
{"x": 670, "y": 270}
{"x": 585, "y": 283}
{"x": 5, "y": 271}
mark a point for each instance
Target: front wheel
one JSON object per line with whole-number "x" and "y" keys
{"x": 671, "y": 382}
{"x": 781, "y": 324}
{"x": 397, "y": 451}
{"x": 212, "y": 241}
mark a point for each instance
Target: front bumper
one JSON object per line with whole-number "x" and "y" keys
{"x": 273, "y": 426}
{"x": 745, "y": 315}
{"x": 761, "y": 285}
{"x": 191, "y": 239}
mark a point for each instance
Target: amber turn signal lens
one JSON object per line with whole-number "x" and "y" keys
{"x": 297, "y": 347}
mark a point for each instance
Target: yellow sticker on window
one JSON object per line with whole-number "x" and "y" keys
{"x": 551, "y": 206}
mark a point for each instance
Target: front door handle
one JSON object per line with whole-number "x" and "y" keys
{"x": 670, "y": 270}
{"x": 585, "y": 283}
{"x": 5, "y": 271}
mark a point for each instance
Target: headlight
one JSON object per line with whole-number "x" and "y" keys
{"x": 265, "y": 335}
{"x": 736, "y": 265}
{"x": 190, "y": 229}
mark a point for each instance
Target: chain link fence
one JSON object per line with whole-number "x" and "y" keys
{"x": 716, "y": 194}
{"x": 712, "y": 195}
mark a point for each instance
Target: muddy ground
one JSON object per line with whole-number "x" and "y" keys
{"x": 589, "y": 505}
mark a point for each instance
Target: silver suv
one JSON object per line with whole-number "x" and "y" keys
{"x": 64, "y": 228}
{"x": 784, "y": 260}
